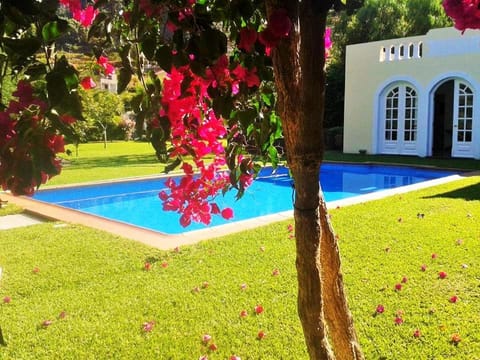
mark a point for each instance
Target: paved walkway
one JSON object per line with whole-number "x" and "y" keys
{"x": 18, "y": 220}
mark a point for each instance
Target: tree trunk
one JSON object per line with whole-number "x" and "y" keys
{"x": 300, "y": 82}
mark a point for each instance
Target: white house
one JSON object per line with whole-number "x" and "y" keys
{"x": 415, "y": 95}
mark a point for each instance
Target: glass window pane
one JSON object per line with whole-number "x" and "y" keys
{"x": 394, "y": 124}
{"x": 468, "y": 124}
{"x": 469, "y": 112}
{"x": 461, "y": 112}
{"x": 395, "y": 102}
{"x": 461, "y": 100}
{"x": 387, "y": 135}
{"x": 406, "y": 137}
{"x": 408, "y": 102}
{"x": 407, "y": 125}
{"x": 395, "y": 113}
{"x": 461, "y": 124}
{"x": 460, "y": 136}
{"x": 470, "y": 101}
{"x": 408, "y": 113}
{"x": 388, "y": 124}
{"x": 394, "y": 135}
{"x": 468, "y": 136}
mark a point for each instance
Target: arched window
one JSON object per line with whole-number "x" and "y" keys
{"x": 410, "y": 115}
{"x": 465, "y": 113}
{"x": 392, "y": 53}
{"x": 399, "y": 120}
{"x": 420, "y": 49}
{"x": 391, "y": 115}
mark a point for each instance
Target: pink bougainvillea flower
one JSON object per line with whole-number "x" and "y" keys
{"x": 398, "y": 287}
{"x": 164, "y": 264}
{"x": 275, "y": 272}
{"x": 85, "y": 16}
{"x": 62, "y": 315}
{"x": 398, "y": 320}
{"x": 213, "y": 347}
{"x": 258, "y": 309}
{"x": 206, "y": 338}
{"x": 434, "y": 256}
{"x": 328, "y": 41}
{"x": 464, "y": 13}
{"x": 380, "y": 309}
{"x": 248, "y": 37}
{"x": 261, "y": 334}
{"x": 227, "y": 213}
{"x": 203, "y": 357}
{"x": 108, "y": 69}
{"x": 243, "y": 313}
{"x": 455, "y": 339}
{"x": 423, "y": 267}
{"x": 417, "y": 333}
{"x": 454, "y": 299}
{"x": 442, "y": 274}
{"x": 148, "y": 326}
{"x": 404, "y": 279}
{"x": 147, "y": 266}
{"x": 87, "y": 83}
{"x": 7, "y": 300}
{"x": 234, "y": 357}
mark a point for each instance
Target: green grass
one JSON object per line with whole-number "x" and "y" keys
{"x": 99, "y": 281}
{"x": 118, "y": 160}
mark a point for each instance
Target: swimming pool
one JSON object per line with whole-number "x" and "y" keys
{"x": 136, "y": 201}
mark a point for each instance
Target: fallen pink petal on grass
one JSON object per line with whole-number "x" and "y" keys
{"x": 404, "y": 279}
{"x": 46, "y": 323}
{"x": 147, "y": 266}
{"x": 398, "y": 287}
{"x": 234, "y": 357}
{"x": 258, "y": 309}
{"x": 398, "y": 320}
{"x": 380, "y": 309}
{"x": 62, "y": 315}
{"x": 206, "y": 338}
{"x": 243, "y": 313}
{"x": 455, "y": 339}
{"x": 417, "y": 333}
{"x": 261, "y": 334}
{"x": 434, "y": 256}
{"x": 454, "y": 299}
{"x": 275, "y": 272}
{"x": 148, "y": 326}
{"x": 7, "y": 300}
{"x": 213, "y": 347}
{"x": 442, "y": 275}
{"x": 423, "y": 267}
{"x": 164, "y": 264}
{"x": 36, "y": 270}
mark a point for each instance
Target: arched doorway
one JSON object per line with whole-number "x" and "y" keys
{"x": 453, "y": 120}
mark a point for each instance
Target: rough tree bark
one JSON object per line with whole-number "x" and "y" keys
{"x": 300, "y": 82}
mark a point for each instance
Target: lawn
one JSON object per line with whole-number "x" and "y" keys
{"x": 70, "y": 292}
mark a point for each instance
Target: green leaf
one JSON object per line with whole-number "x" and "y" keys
{"x": 56, "y": 88}
{"x": 148, "y": 46}
{"x": 124, "y": 78}
{"x": 164, "y": 58}
{"x": 24, "y": 47}
{"x": 52, "y": 30}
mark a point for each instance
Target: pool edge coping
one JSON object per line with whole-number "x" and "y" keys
{"x": 169, "y": 241}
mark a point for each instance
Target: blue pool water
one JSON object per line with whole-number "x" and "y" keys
{"x": 136, "y": 201}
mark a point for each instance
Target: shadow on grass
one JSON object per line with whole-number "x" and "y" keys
{"x": 111, "y": 161}
{"x": 469, "y": 193}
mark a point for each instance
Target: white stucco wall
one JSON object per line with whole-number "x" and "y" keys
{"x": 446, "y": 54}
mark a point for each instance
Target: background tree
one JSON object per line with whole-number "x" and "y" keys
{"x": 102, "y": 111}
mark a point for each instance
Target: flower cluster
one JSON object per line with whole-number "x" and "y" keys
{"x": 29, "y": 147}
{"x": 85, "y": 16}
{"x": 465, "y": 13}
